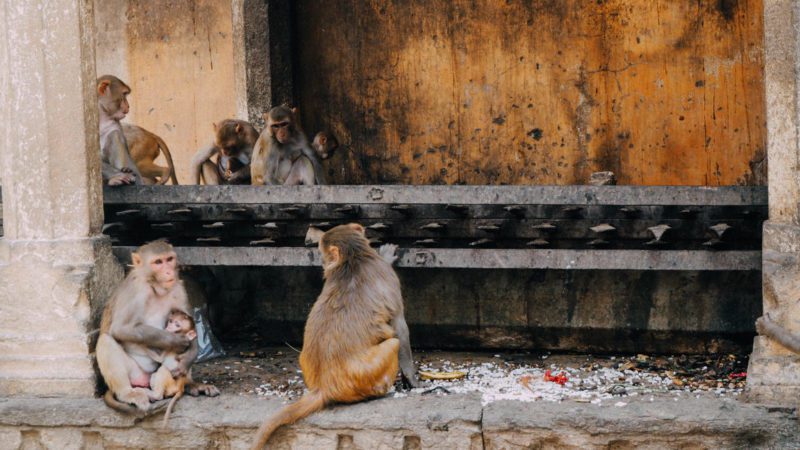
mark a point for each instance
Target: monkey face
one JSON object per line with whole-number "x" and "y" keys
{"x": 282, "y": 131}
{"x": 163, "y": 269}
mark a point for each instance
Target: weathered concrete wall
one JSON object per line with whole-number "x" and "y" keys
{"x": 55, "y": 267}
{"x": 774, "y": 372}
{"x": 415, "y": 422}
{"x": 178, "y": 58}
{"x": 598, "y": 311}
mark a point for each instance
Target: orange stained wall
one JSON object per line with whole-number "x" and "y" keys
{"x": 661, "y": 92}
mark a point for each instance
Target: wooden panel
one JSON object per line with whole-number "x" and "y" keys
{"x": 536, "y": 92}
{"x": 180, "y": 59}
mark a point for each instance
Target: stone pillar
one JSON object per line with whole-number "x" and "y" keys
{"x": 774, "y": 372}
{"x": 55, "y": 266}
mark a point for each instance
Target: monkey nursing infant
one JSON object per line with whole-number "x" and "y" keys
{"x": 133, "y": 340}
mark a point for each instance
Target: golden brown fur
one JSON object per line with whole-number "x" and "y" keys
{"x": 144, "y": 148}
{"x": 351, "y": 344}
{"x": 232, "y": 139}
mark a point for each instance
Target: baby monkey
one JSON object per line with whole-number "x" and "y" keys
{"x": 162, "y": 382}
{"x": 325, "y": 144}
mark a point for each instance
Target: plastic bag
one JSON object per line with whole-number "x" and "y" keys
{"x": 210, "y": 347}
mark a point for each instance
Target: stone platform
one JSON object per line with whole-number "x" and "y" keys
{"x": 412, "y": 422}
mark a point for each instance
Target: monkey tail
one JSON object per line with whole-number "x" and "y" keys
{"x": 117, "y": 405}
{"x": 308, "y": 403}
{"x": 172, "y": 402}
{"x": 168, "y": 157}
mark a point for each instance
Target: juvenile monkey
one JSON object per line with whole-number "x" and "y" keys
{"x": 355, "y": 331}
{"x": 117, "y": 165}
{"x": 144, "y": 148}
{"x": 162, "y": 383}
{"x": 767, "y": 327}
{"x": 325, "y": 144}
{"x": 133, "y": 324}
{"x": 282, "y": 155}
{"x": 233, "y": 140}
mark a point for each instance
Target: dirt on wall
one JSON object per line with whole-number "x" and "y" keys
{"x": 536, "y": 92}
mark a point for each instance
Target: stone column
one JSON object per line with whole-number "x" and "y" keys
{"x": 55, "y": 266}
{"x": 774, "y": 372}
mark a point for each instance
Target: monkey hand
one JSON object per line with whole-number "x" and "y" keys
{"x": 178, "y": 371}
{"x": 179, "y": 343}
{"x": 388, "y": 252}
{"x": 120, "y": 179}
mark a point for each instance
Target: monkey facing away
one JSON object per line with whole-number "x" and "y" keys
{"x": 144, "y": 148}
{"x": 117, "y": 165}
{"x": 233, "y": 147}
{"x": 282, "y": 155}
{"x": 162, "y": 383}
{"x": 356, "y": 335}
{"x": 133, "y": 324}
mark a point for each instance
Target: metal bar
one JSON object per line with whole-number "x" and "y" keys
{"x": 463, "y": 195}
{"x": 680, "y": 260}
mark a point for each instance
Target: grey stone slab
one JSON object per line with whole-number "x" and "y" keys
{"x": 467, "y": 195}
{"x": 682, "y": 260}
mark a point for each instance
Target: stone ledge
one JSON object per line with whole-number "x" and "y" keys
{"x": 441, "y": 422}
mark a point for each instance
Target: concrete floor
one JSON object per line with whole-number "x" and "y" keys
{"x": 411, "y": 422}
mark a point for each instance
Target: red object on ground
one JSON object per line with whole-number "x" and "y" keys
{"x": 738, "y": 375}
{"x": 560, "y": 378}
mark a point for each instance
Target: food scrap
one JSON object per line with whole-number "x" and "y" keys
{"x": 560, "y": 378}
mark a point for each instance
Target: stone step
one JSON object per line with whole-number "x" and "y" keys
{"x": 409, "y": 422}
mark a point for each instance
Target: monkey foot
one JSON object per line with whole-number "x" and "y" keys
{"x": 202, "y": 389}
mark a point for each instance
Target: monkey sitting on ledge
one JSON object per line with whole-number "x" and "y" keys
{"x": 356, "y": 338}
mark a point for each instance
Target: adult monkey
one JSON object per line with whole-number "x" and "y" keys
{"x": 233, "y": 147}
{"x": 282, "y": 155}
{"x": 133, "y": 321}
{"x": 356, "y": 335}
{"x": 144, "y": 147}
{"x": 117, "y": 165}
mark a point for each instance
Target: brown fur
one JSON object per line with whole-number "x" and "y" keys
{"x": 144, "y": 296}
{"x": 144, "y": 148}
{"x": 350, "y": 345}
{"x": 232, "y": 138}
{"x": 284, "y": 156}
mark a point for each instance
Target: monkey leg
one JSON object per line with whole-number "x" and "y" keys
{"x": 210, "y": 174}
{"x": 369, "y": 374}
{"x": 151, "y": 171}
{"x": 115, "y": 367}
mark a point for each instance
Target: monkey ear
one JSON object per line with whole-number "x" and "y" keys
{"x": 265, "y": 116}
{"x": 333, "y": 252}
{"x": 295, "y": 111}
{"x": 102, "y": 86}
{"x": 238, "y": 128}
{"x": 191, "y": 334}
{"x": 358, "y": 227}
{"x": 322, "y": 140}
{"x": 136, "y": 259}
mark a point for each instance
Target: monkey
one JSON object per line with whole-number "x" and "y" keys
{"x": 162, "y": 383}
{"x": 282, "y": 155}
{"x": 767, "y": 327}
{"x": 117, "y": 165}
{"x": 233, "y": 139}
{"x": 133, "y": 323}
{"x": 144, "y": 148}
{"x": 356, "y": 336}
{"x": 325, "y": 144}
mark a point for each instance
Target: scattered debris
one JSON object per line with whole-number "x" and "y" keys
{"x": 454, "y": 375}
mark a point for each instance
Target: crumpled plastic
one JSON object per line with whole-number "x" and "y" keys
{"x": 209, "y": 346}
